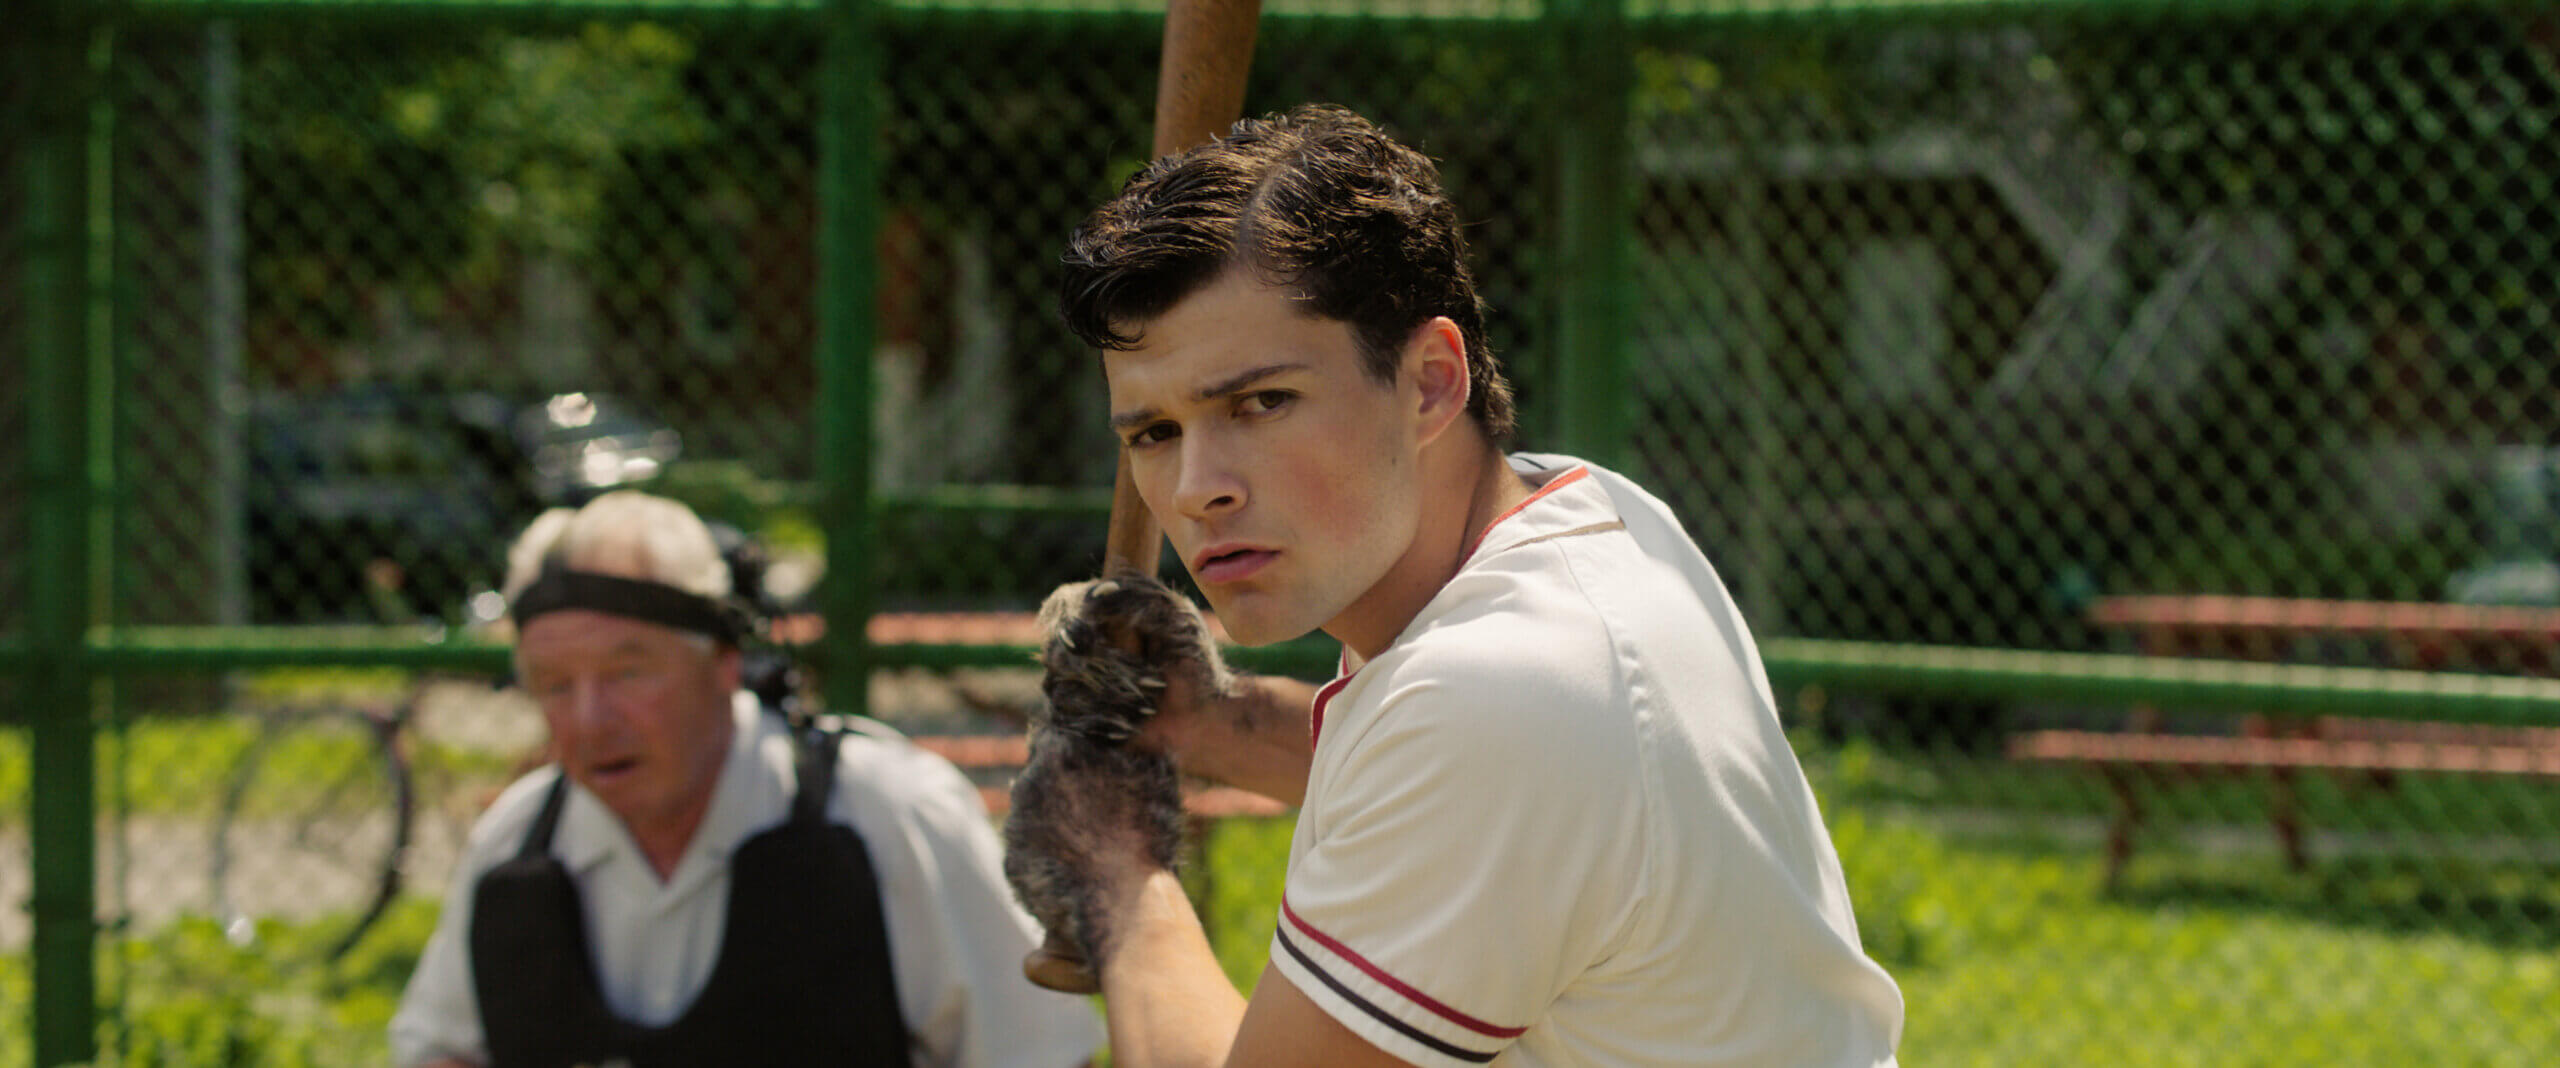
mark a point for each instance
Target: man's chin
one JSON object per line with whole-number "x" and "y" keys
{"x": 1248, "y": 628}
{"x": 1250, "y": 641}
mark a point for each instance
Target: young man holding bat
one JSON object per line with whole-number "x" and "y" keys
{"x": 1547, "y": 812}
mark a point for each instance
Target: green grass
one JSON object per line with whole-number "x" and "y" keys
{"x": 1990, "y": 917}
{"x": 2007, "y": 953}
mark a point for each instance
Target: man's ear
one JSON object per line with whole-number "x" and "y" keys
{"x": 730, "y": 665}
{"x": 1436, "y": 357}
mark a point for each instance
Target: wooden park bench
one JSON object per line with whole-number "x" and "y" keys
{"x": 2497, "y": 640}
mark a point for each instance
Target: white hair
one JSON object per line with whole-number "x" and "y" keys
{"x": 625, "y": 533}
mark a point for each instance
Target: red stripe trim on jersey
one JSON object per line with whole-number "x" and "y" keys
{"x": 1392, "y": 983}
{"x": 1395, "y": 1023}
{"x": 1553, "y": 484}
{"x": 1315, "y": 717}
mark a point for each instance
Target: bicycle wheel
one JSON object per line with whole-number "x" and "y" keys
{"x": 314, "y": 826}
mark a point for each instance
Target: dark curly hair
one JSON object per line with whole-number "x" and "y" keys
{"x": 1317, "y": 198}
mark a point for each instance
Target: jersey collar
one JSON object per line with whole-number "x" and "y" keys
{"x": 1568, "y": 501}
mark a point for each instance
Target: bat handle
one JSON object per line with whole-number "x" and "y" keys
{"x": 1133, "y": 540}
{"x": 1058, "y": 965}
{"x": 1208, "y": 50}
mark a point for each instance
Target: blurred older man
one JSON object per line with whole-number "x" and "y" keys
{"x": 694, "y": 881}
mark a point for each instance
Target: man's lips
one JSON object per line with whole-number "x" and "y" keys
{"x": 1226, "y": 563}
{"x": 610, "y": 768}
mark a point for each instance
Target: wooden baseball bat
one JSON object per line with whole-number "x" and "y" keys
{"x": 1208, "y": 48}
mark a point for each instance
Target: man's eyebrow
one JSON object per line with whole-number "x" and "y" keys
{"x": 1232, "y": 384}
{"x": 629, "y": 649}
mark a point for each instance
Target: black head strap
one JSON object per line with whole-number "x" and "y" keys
{"x": 559, "y": 588}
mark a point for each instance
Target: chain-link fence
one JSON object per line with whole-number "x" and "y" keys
{"x": 1996, "y": 353}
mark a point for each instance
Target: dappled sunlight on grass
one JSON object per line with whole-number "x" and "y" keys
{"x": 2009, "y": 951}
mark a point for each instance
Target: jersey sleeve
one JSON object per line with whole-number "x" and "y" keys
{"x": 956, "y": 937}
{"x": 1469, "y": 853}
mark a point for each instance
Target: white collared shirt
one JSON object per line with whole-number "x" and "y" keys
{"x": 1557, "y": 822}
{"x": 956, "y": 937}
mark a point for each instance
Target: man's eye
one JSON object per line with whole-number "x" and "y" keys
{"x": 1152, "y": 434}
{"x": 1267, "y": 401}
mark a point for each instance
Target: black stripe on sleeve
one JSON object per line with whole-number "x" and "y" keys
{"x": 1403, "y": 1028}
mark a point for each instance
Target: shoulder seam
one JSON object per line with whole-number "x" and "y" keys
{"x": 1626, "y": 671}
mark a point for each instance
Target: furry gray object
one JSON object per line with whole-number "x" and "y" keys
{"x": 1109, "y": 648}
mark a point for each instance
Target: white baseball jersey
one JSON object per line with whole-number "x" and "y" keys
{"x": 1557, "y": 822}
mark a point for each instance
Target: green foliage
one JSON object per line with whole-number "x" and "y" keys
{"x": 184, "y": 996}
{"x": 339, "y": 685}
{"x": 2309, "y": 563}
{"x": 14, "y": 774}
{"x": 504, "y": 145}
{"x": 732, "y": 492}
{"x": 185, "y": 766}
{"x": 168, "y": 763}
{"x": 1672, "y": 84}
{"x": 17, "y": 991}
{"x": 196, "y": 999}
{"x": 1905, "y": 908}
{"x": 1245, "y": 862}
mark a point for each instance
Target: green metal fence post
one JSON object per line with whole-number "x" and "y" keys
{"x": 849, "y": 117}
{"x": 64, "y": 180}
{"x": 1747, "y": 219}
{"x": 1594, "y": 211}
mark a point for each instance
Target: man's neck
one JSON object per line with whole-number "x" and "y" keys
{"x": 1497, "y": 491}
{"x": 1474, "y": 487}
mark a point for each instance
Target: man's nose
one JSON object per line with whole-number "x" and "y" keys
{"x": 589, "y": 705}
{"x": 1208, "y": 484}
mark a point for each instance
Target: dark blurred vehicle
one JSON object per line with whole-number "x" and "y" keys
{"x": 380, "y": 504}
